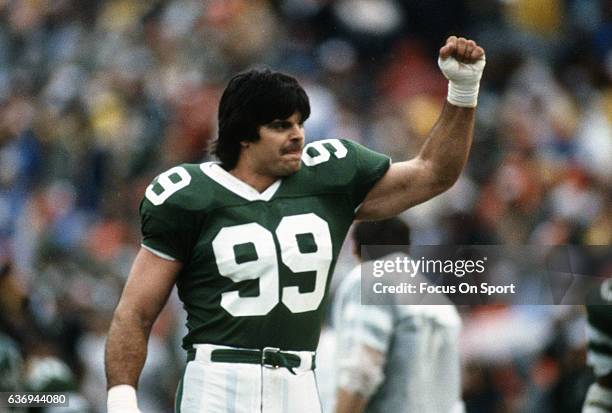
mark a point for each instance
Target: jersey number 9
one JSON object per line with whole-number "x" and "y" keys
{"x": 266, "y": 266}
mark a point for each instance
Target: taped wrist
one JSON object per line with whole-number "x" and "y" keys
{"x": 122, "y": 398}
{"x": 362, "y": 373}
{"x": 464, "y": 95}
{"x": 463, "y": 80}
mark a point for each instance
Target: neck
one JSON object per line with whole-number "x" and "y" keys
{"x": 259, "y": 181}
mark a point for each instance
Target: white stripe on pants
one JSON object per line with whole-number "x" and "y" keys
{"x": 214, "y": 387}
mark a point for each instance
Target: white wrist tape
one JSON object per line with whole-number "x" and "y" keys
{"x": 361, "y": 370}
{"x": 465, "y": 96}
{"x": 122, "y": 398}
{"x": 463, "y": 80}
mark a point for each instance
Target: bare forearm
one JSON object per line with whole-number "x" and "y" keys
{"x": 126, "y": 349}
{"x": 448, "y": 144}
{"x": 349, "y": 402}
{"x": 445, "y": 152}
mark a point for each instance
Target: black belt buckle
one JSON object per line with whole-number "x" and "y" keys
{"x": 272, "y": 362}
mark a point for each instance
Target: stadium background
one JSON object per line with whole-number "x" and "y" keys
{"x": 97, "y": 97}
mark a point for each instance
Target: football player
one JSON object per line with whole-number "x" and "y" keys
{"x": 393, "y": 358}
{"x": 251, "y": 242}
{"x": 599, "y": 354}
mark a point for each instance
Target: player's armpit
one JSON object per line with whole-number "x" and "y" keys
{"x": 436, "y": 168}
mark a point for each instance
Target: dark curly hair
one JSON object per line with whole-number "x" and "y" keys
{"x": 253, "y": 99}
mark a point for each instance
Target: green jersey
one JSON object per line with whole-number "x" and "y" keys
{"x": 599, "y": 329}
{"x": 256, "y": 266}
{"x": 599, "y": 309}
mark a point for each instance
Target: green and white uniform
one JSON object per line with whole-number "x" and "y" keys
{"x": 257, "y": 265}
{"x": 599, "y": 329}
{"x": 599, "y": 354}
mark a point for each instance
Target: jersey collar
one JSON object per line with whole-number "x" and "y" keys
{"x": 214, "y": 171}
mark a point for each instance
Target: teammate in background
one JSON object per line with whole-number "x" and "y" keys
{"x": 252, "y": 241}
{"x": 599, "y": 354}
{"x": 393, "y": 358}
{"x": 11, "y": 366}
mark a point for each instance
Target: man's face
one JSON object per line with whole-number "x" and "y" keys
{"x": 278, "y": 152}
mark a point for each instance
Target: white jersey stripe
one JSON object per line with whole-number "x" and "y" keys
{"x": 231, "y": 390}
{"x": 370, "y": 338}
{"x": 370, "y": 316}
{"x": 158, "y": 253}
{"x": 602, "y": 364}
{"x": 284, "y": 397}
{"x": 193, "y": 388}
{"x": 597, "y": 336}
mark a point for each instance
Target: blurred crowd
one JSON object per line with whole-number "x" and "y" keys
{"x": 97, "y": 97}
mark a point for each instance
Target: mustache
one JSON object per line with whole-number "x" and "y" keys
{"x": 293, "y": 147}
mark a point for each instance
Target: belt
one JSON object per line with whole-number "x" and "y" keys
{"x": 271, "y": 357}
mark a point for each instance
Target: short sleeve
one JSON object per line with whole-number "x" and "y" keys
{"x": 370, "y": 167}
{"x": 370, "y": 325}
{"x": 167, "y": 231}
{"x": 358, "y": 324}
